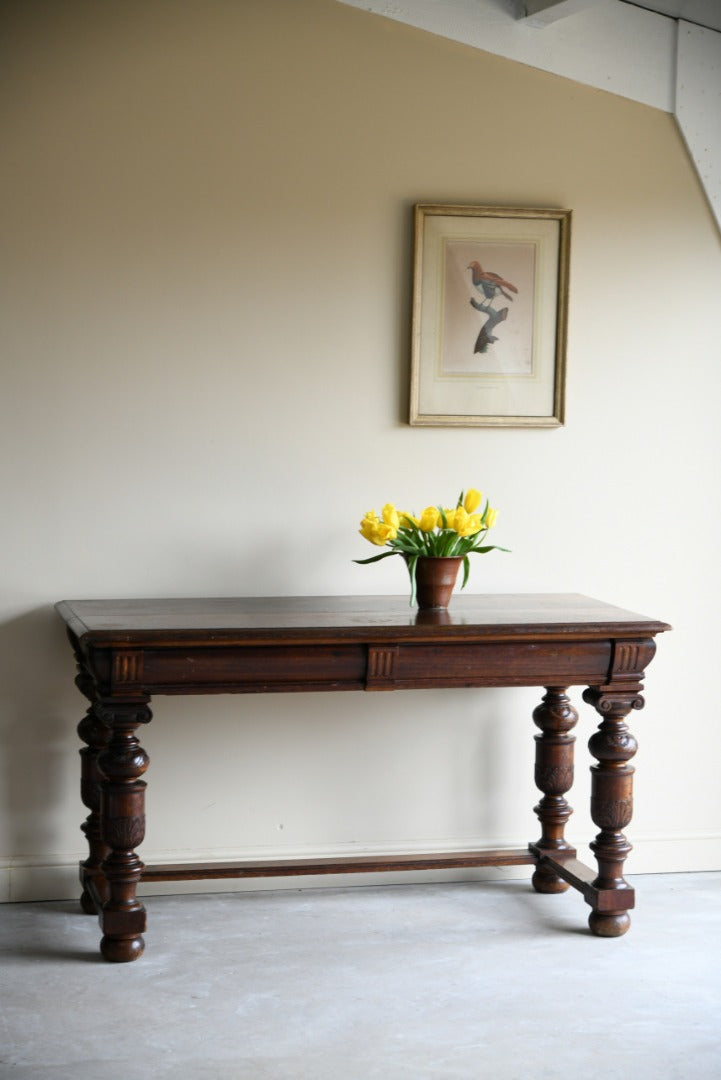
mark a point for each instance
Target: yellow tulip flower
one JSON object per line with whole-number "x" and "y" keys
{"x": 429, "y": 519}
{"x": 462, "y": 522}
{"x": 367, "y": 526}
{"x": 466, "y": 524}
{"x": 377, "y": 531}
{"x": 384, "y": 533}
{"x": 490, "y": 519}
{"x": 390, "y": 515}
{"x": 472, "y": 500}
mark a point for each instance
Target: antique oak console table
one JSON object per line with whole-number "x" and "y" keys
{"x": 129, "y": 650}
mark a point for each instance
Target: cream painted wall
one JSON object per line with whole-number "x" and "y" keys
{"x": 207, "y": 232}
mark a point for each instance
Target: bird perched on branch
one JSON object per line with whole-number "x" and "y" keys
{"x": 488, "y": 283}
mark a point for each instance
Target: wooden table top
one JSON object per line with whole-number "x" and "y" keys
{"x": 148, "y": 621}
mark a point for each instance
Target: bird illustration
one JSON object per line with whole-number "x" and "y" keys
{"x": 488, "y": 283}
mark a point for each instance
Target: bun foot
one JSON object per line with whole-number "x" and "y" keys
{"x": 122, "y": 950}
{"x": 87, "y": 903}
{"x": 609, "y": 925}
{"x": 546, "y": 881}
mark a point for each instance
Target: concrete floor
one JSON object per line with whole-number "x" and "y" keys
{"x": 430, "y": 982}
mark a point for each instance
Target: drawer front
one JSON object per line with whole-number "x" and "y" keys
{"x": 254, "y": 669}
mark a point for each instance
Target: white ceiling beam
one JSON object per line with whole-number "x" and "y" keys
{"x": 698, "y": 104}
{"x": 540, "y": 13}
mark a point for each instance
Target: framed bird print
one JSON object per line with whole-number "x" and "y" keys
{"x": 490, "y": 295}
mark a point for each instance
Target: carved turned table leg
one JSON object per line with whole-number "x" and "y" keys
{"x": 92, "y": 731}
{"x": 123, "y": 762}
{"x": 95, "y": 735}
{"x": 554, "y": 777}
{"x": 612, "y": 806}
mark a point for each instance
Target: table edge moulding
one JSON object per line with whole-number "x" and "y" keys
{"x": 128, "y": 651}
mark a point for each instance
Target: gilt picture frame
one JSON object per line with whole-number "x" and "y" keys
{"x": 489, "y": 320}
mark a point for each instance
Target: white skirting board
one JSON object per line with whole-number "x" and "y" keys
{"x": 56, "y": 877}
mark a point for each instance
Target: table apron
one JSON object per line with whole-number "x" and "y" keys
{"x": 348, "y": 666}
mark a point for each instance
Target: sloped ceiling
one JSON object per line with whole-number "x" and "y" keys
{"x": 662, "y": 53}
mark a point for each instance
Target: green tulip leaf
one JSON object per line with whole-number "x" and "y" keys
{"x": 376, "y": 558}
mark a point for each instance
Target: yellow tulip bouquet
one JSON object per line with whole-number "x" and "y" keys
{"x": 439, "y": 532}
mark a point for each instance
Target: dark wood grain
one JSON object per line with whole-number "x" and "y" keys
{"x": 342, "y": 864}
{"x": 302, "y": 618}
{"x": 128, "y": 651}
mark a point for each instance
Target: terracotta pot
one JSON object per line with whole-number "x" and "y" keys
{"x": 435, "y": 581}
